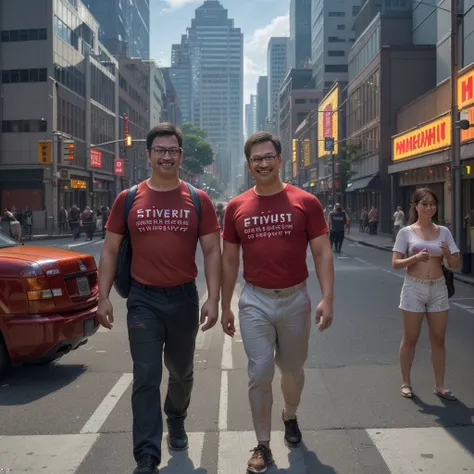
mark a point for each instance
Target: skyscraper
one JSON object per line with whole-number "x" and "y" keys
{"x": 124, "y": 26}
{"x": 216, "y": 79}
{"x": 262, "y": 102}
{"x": 251, "y": 116}
{"x": 277, "y": 68}
{"x": 300, "y": 34}
{"x": 332, "y": 38}
{"x": 181, "y": 76}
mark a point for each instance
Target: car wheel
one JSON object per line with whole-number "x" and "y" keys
{"x": 4, "y": 357}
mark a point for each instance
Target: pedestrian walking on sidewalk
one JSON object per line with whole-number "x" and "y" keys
{"x": 420, "y": 248}
{"x": 337, "y": 222}
{"x": 273, "y": 223}
{"x": 163, "y": 305}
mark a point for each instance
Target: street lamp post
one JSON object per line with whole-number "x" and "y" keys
{"x": 456, "y": 203}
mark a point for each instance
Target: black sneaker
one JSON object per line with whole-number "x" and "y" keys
{"x": 147, "y": 465}
{"x": 293, "y": 434}
{"x": 177, "y": 437}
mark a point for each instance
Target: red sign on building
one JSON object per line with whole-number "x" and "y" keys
{"x": 119, "y": 167}
{"x": 96, "y": 159}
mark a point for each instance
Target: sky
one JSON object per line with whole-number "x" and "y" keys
{"x": 259, "y": 20}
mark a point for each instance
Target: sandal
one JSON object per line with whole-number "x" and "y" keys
{"x": 407, "y": 391}
{"x": 446, "y": 395}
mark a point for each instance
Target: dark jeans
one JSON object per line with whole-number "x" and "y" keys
{"x": 160, "y": 319}
{"x": 337, "y": 238}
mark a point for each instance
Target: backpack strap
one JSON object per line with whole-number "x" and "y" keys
{"x": 129, "y": 198}
{"x": 195, "y": 198}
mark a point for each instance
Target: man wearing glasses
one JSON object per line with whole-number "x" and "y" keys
{"x": 273, "y": 223}
{"x": 163, "y": 304}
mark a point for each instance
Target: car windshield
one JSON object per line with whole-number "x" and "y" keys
{"x": 6, "y": 241}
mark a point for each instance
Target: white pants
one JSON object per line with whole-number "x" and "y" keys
{"x": 275, "y": 327}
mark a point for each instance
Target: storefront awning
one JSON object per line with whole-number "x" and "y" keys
{"x": 368, "y": 182}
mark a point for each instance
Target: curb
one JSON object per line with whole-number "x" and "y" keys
{"x": 55, "y": 237}
{"x": 457, "y": 276}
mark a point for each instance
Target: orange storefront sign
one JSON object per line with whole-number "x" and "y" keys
{"x": 425, "y": 138}
{"x": 466, "y": 89}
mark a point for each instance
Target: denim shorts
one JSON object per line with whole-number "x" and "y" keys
{"x": 424, "y": 296}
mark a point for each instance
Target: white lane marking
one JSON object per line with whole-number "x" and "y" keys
{"x": 201, "y": 336}
{"x": 392, "y": 273}
{"x": 54, "y": 454}
{"x": 227, "y": 361}
{"x": 95, "y": 422}
{"x": 434, "y": 450}
{"x": 360, "y": 260}
{"x": 223, "y": 400}
{"x": 469, "y": 309}
{"x": 234, "y": 447}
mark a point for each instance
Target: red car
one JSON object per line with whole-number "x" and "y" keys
{"x": 48, "y": 302}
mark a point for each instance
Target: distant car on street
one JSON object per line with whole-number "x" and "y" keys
{"x": 48, "y": 302}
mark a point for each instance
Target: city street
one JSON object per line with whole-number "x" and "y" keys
{"x": 74, "y": 416}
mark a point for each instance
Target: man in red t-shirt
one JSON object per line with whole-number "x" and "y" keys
{"x": 273, "y": 223}
{"x": 163, "y": 304}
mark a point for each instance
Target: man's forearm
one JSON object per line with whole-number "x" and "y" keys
{"x": 212, "y": 270}
{"x": 107, "y": 270}
{"x": 230, "y": 272}
{"x": 324, "y": 266}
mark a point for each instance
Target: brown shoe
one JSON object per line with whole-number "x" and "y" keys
{"x": 260, "y": 460}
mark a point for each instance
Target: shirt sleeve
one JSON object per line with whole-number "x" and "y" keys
{"x": 453, "y": 248}
{"x": 316, "y": 224}
{"x": 209, "y": 222}
{"x": 401, "y": 244}
{"x": 115, "y": 222}
{"x": 230, "y": 233}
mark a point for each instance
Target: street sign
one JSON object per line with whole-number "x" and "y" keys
{"x": 119, "y": 167}
{"x": 328, "y": 143}
{"x": 69, "y": 150}
{"x": 45, "y": 156}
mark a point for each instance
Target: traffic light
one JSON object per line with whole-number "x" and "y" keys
{"x": 128, "y": 140}
{"x": 69, "y": 150}
{"x": 45, "y": 156}
{"x": 64, "y": 174}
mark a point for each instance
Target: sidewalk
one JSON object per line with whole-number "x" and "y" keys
{"x": 385, "y": 242}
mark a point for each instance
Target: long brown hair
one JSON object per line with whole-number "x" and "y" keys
{"x": 418, "y": 196}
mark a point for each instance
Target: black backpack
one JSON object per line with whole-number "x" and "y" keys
{"x": 123, "y": 278}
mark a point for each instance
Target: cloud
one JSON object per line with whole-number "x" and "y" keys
{"x": 180, "y": 3}
{"x": 255, "y": 52}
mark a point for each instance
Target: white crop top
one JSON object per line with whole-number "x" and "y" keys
{"x": 408, "y": 243}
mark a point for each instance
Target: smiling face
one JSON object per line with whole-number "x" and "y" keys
{"x": 165, "y": 156}
{"x": 427, "y": 205}
{"x": 264, "y": 163}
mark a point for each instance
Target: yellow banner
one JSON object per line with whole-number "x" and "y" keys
{"x": 424, "y": 139}
{"x": 328, "y": 123}
{"x": 293, "y": 153}
{"x": 78, "y": 184}
{"x": 307, "y": 152}
{"x": 466, "y": 89}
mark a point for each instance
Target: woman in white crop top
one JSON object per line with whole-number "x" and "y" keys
{"x": 420, "y": 248}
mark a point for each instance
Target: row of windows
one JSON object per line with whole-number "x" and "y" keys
{"x": 35, "y": 34}
{"x": 71, "y": 119}
{"x": 72, "y": 78}
{"x": 14, "y": 76}
{"x": 335, "y": 68}
{"x": 336, "y": 53}
{"x": 24, "y": 126}
{"x": 65, "y": 33}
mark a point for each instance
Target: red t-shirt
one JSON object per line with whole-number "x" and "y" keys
{"x": 274, "y": 232}
{"x": 164, "y": 233}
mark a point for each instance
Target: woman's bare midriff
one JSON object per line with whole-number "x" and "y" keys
{"x": 430, "y": 270}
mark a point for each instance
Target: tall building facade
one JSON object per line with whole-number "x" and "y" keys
{"x": 181, "y": 76}
{"x": 251, "y": 116}
{"x": 262, "y": 102}
{"x": 332, "y": 37}
{"x": 58, "y": 82}
{"x": 156, "y": 90}
{"x": 216, "y": 71}
{"x": 277, "y": 68}
{"x": 124, "y": 26}
{"x": 300, "y": 34}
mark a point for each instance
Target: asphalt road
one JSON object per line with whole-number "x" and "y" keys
{"x": 74, "y": 416}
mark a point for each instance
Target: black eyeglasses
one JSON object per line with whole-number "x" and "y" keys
{"x": 258, "y": 160}
{"x": 161, "y": 151}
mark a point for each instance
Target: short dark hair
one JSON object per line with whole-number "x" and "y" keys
{"x": 261, "y": 137}
{"x": 164, "y": 129}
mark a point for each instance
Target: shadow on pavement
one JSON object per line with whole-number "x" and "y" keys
{"x": 312, "y": 464}
{"x": 180, "y": 463}
{"x": 452, "y": 416}
{"x": 26, "y": 384}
